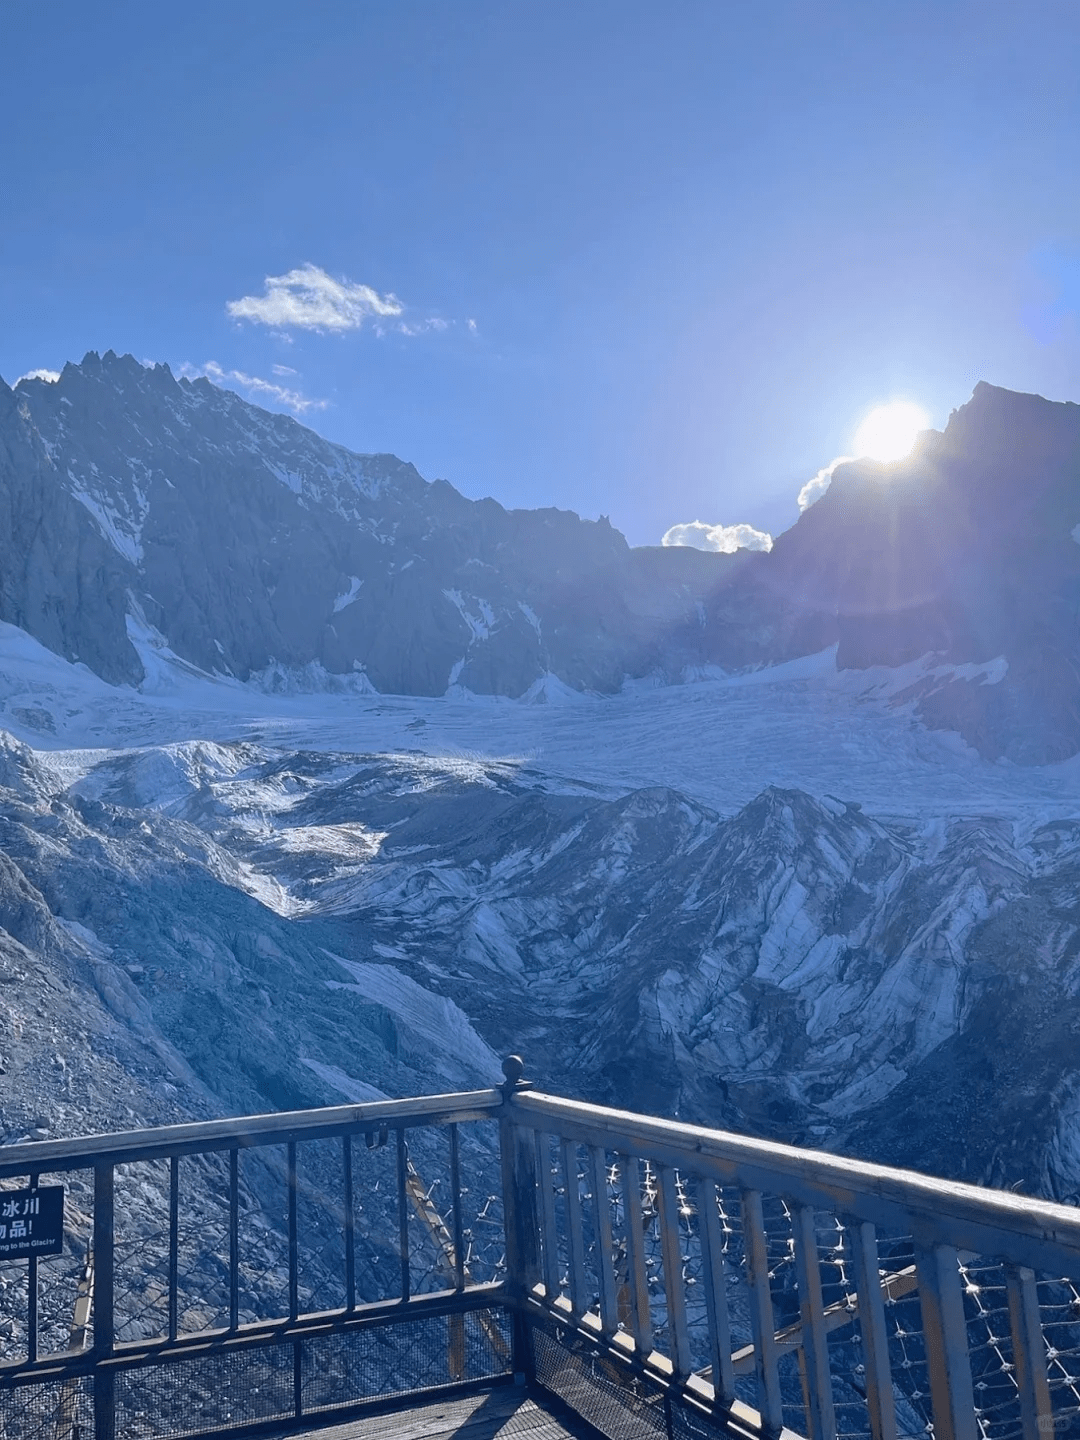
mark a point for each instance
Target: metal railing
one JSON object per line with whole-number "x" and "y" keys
{"x": 249, "y": 1270}
{"x": 662, "y": 1279}
{"x": 772, "y": 1287}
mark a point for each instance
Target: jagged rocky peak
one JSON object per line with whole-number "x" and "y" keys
{"x": 256, "y": 548}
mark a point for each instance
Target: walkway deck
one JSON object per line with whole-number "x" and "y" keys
{"x": 493, "y": 1415}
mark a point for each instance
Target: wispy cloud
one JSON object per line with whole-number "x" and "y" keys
{"x": 254, "y": 386}
{"x": 815, "y": 488}
{"x": 50, "y": 375}
{"x": 309, "y": 299}
{"x": 417, "y": 327}
{"x": 724, "y": 538}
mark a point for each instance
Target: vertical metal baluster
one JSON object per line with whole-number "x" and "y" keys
{"x": 456, "y": 1323}
{"x": 104, "y": 1320}
{"x": 762, "y": 1321}
{"x": 234, "y": 1238}
{"x": 174, "y": 1242}
{"x": 549, "y": 1234}
{"x": 32, "y": 1297}
{"x": 863, "y": 1253}
{"x": 31, "y": 1309}
{"x": 574, "y": 1239}
{"x": 350, "y": 1224}
{"x": 294, "y": 1280}
{"x": 941, "y": 1299}
{"x": 403, "y": 1212}
{"x": 674, "y": 1284}
{"x": 821, "y": 1413}
{"x": 1029, "y": 1352}
{"x": 455, "y": 1194}
{"x": 521, "y": 1225}
{"x": 609, "y": 1310}
{"x": 716, "y": 1301}
{"x": 635, "y": 1255}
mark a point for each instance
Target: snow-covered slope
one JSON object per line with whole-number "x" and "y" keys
{"x": 721, "y": 740}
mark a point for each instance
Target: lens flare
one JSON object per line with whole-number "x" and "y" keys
{"x": 889, "y": 431}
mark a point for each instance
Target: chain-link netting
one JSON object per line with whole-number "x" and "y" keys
{"x": 51, "y": 1411}
{"x": 571, "y": 1172}
{"x": 210, "y": 1243}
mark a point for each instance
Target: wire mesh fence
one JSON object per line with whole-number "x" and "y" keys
{"x": 751, "y": 1297}
{"x": 225, "y": 1243}
{"x": 603, "y": 1196}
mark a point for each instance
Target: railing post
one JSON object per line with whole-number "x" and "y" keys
{"x": 1029, "y": 1352}
{"x": 762, "y": 1320}
{"x": 821, "y": 1414}
{"x": 104, "y": 1320}
{"x": 941, "y": 1298}
{"x": 863, "y": 1253}
{"x": 517, "y": 1153}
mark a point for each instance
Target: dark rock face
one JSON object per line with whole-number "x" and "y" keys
{"x": 964, "y": 553}
{"x": 251, "y": 543}
{"x": 59, "y": 578}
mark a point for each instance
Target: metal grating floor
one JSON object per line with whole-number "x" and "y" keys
{"x": 503, "y": 1412}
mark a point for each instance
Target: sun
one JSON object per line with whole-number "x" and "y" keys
{"x": 889, "y": 431}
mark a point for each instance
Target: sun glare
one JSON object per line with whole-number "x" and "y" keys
{"x": 889, "y": 431}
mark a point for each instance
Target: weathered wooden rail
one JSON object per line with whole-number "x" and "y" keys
{"x": 662, "y": 1279}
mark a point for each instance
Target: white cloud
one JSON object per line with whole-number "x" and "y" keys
{"x": 416, "y": 327}
{"x": 310, "y": 299}
{"x": 50, "y": 375}
{"x": 255, "y": 386}
{"x": 724, "y": 538}
{"x": 283, "y": 370}
{"x": 815, "y": 488}
{"x": 471, "y": 323}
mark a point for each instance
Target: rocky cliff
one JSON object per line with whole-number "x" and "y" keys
{"x": 258, "y": 549}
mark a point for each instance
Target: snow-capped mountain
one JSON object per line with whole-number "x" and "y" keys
{"x": 273, "y": 928}
{"x": 131, "y": 502}
{"x": 136, "y": 505}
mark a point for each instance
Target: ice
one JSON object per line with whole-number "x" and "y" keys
{"x": 481, "y": 622}
{"x": 435, "y": 1022}
{"x": 721, "y": 740}
{"x": 350, "y": 595}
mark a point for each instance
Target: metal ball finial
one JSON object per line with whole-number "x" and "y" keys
{"x": 513, "y": 1067}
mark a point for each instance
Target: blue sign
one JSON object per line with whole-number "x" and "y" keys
{"x": 31, "y": 1222}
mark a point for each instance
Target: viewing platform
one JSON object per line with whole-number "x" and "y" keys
{"x": 503, "y": 1262}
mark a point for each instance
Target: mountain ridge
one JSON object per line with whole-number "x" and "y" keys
{"x": 248, "y": 540}
{"x": 255, "y": 548}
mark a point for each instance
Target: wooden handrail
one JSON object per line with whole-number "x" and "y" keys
{"x": 52, "y": 1157}
{"x": 1027, "y": 1231}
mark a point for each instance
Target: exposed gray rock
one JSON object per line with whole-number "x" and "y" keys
{"x": 260, "y": 550}
{"x": 271, "y": 930}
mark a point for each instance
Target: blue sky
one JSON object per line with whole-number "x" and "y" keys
{"x": 652, "y": 261}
